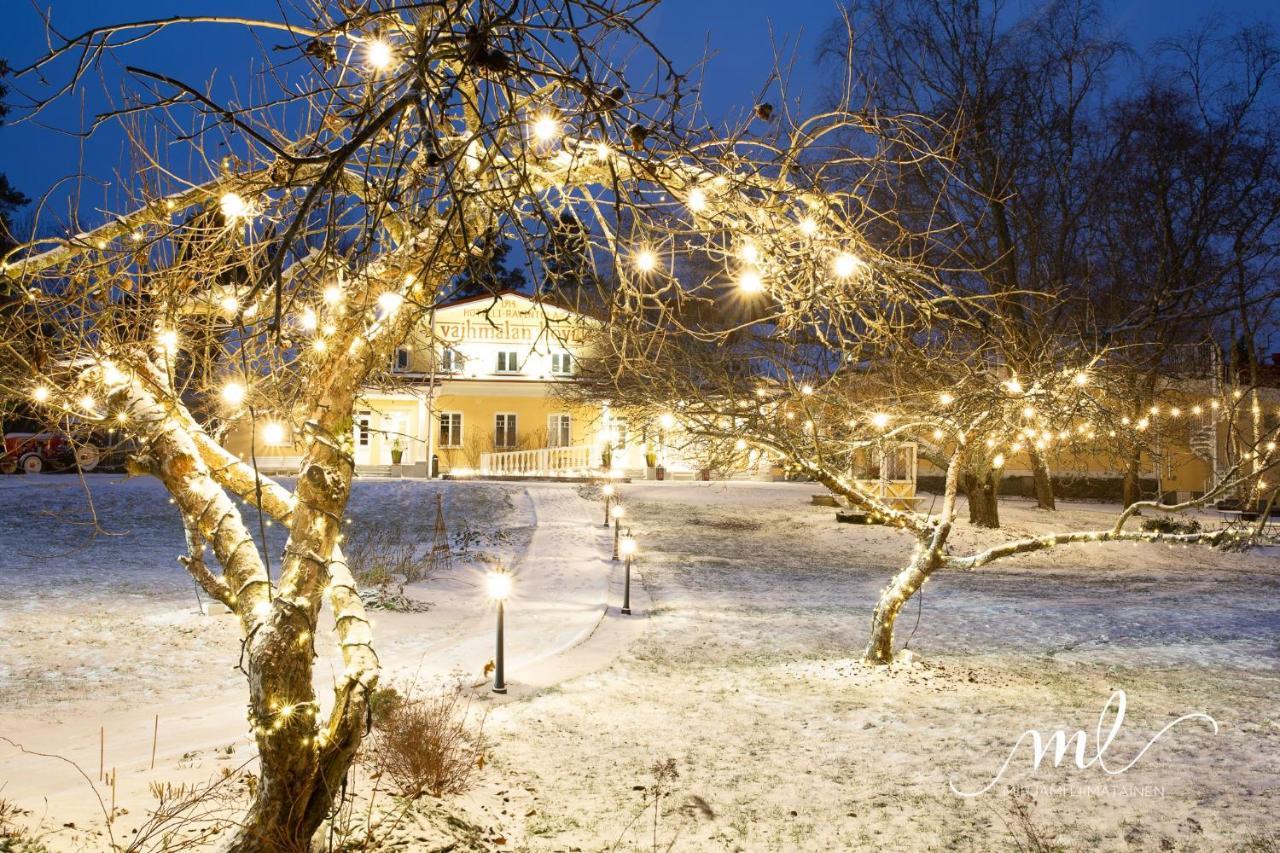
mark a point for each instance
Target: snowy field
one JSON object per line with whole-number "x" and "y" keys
{"x": 740, "y": 666}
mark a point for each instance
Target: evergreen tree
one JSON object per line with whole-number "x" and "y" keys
{"x": 10, "y": 198}
{"x": 489, "y": 272}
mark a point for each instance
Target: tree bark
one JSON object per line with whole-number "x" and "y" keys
{"x": 1133, "y": 479}
{"x": 1042, "y": 480}
{"x": 984, "y": 508}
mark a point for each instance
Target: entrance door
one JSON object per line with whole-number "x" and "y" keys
{"x": 395, "y": 429}
{"x": 361, "y": 438}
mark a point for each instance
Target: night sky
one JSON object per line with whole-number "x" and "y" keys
{"x": 740, "y": 35}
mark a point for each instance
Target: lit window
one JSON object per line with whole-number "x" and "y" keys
{"x": 451, "y": 429}
{"x": 400, "y": 362}
{"x": 362, "y": 429}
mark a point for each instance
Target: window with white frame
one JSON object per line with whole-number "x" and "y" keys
{"x": 619, "y": 429}
{"x": 450, "y": 360}
{"x": 561, "y": 363}
{"x": 504, "y": 430}
{"x": 363, "y": 419}
{"x": 400, "y": 361}
{"x": 451, "y": 429}
{"x": 508, "y": 362}
{"x": 559, "y": 431}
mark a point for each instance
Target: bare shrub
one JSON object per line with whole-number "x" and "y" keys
{"x": 429, "y": 743}
{"x": 380, "y": 550}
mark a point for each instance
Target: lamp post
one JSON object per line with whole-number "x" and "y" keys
{"x": 499, "y": 584}
{"x": 616, "y": 513}
{"x": 607, "y": 491}
{"x": 628, "y": 550}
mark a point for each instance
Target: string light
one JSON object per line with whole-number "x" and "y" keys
{"x": 749, "y": 281}
{"x": 998, "y": 461}
{"x": 846, "y": 264}
{"x": 307, "y": 320}
{"x": 273, "y": 433}
{"x": 808, "y": 226}
{"x": 378, "y": 54}
{"x": 390, "y": 302}
{"x": 233, "y": 207}
{"x": 946, "y": 399}
{"x": 1082, "y": 379}
{"x": 749, "y": 253}
{"x": 880, "y": 420}
{"x": 645, "y": 260}
{"x": 40, "y": 394}
{"x": 697, "y": 201}
{"x": 88, "y": 403}
{"x": 233, "y": 393}
{"x": 168, "y": 340}
{"x": 806, "y": 390}
{"x": 332, "y": 294}
{"x": 1013, "y": 386}
{"x": 545, "y": 128}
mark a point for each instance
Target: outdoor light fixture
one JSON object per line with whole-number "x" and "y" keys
{"x": 233, "y": 393}
{"x": 499, "y": 585}
{"x": 378, "y": 54}
{"x": 628, "y": 551}
{"x": 749, "y": 281}
{"x": 273, "y": 433}
{"x": 233, "y": 207}
{"x": 846, "y": 264}
{"x": 545, "y": 128}
{"x": 607, "y": 491}
{"x": 616, "y": 514}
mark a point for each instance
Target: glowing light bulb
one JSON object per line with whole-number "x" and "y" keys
{"x": 617, "y": 511}
{"x": 946, "y": 399}
{"x": 846, "y": 265}
{"x": 645, "y": 260}
{"x": 1082, "y": 379}
{"x": 233, "y": 393}
{"x": 229, "y": 304}
{"x": 937, "y": 435}
{"x": 998, "y": 461}
{"x": 806, "y": 390}
{"x": 607, "y": 490}
{"x": 1014, "y": 386}
{"x": 627, "y": 546}
{"x": 749, "y": 281}
{"x": 332, "y": 294}
{"x": 233, "y": 207}
{"x": 88, "y": 403}
{"x": 808, "y": 226}
{"x": 390, "y": 302}
{"x": 319, "y": 345}
{"x": 40, "y": 394}
{"x": 667, "y": 420}
{"x": 262, "y": 609}
{"x": 307, "y": 320}
{"x": 111, "y": 374}
{"x": 378, "y": 54}
{"x": 273, "y": 433}
{"x": 168, "y": 340}
{"x": 749, "y": 253}
{"x": 697, "y": 201}
{"x": 1028, "y": 412}
{"x": 545, "y": 128}
{"x": 880, "y": 420}
{"x": 740, "y": 444}
{"x": 498, "y": 584}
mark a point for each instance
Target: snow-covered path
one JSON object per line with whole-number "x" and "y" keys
{"x": 104, "y": 637}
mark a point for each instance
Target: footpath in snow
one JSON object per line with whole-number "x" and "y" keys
{"x": 562, "y": 585}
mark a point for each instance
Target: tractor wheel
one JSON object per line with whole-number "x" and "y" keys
{"x": 32, "y": 463}
{"x": 87, "y": 457}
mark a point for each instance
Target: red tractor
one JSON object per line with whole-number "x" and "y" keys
{"x": 34, "y": 452}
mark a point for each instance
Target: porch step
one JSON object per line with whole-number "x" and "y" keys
{"x": 373, "y": 471}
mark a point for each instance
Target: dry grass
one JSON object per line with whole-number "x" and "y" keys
{"x": 429, "y": 743}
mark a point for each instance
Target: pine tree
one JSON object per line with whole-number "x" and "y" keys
{"x": 10, "y": 198}
{"x": 489, "y": 271}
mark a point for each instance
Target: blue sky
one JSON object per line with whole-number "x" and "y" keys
{"x": 739, "y": 35}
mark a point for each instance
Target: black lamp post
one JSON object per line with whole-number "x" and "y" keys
{"x": 617, "y": 513}
{"x": 628, "y": 550}
{"x": 499, "y": 588}
{"x": 608, "y": 497}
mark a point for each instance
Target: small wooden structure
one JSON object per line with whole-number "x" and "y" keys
{"x": 441, "y": 557}
{"x": 888, "y": 471}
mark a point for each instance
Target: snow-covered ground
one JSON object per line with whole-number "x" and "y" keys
{"x": 740, "y": 664}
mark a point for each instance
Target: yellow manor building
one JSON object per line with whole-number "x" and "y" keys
{"x": 480, "y": 400}
{"x": 475, "y": 390}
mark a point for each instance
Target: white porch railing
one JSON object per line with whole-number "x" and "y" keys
{"x": 543, "y": 462}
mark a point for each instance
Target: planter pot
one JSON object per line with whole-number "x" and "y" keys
{"x": 661, "y": 472}
{"x": 396, "y": 456}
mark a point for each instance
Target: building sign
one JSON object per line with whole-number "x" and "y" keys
{"x": 506, "y": 323}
